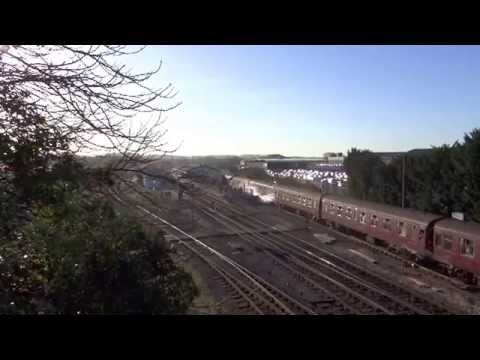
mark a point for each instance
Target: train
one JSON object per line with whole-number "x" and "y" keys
{"x": 446, "y": 244}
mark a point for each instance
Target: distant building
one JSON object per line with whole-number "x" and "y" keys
{"x": 249, "y": 164}
{"x": 336, "y": 160}
{"x": 332, "y": 154}
{"x": 276, "y": 164}
{"x": 419, "y": 152}
{"x": 388, "y": 157}
{"x": 157, "y": 184}
{"x": 280, "y": 164}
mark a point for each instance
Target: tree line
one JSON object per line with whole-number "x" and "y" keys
{"x": 442, "y": 180}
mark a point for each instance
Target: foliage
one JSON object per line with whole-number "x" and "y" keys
{"x": 443, "y": 180}
{"x": 79, "y": 257}
{"x": 366, "y": 173}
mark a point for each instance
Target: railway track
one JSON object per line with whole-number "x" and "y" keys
{"x": 392, "y": 253}
{"x": 336, "y": 300}
{"x": 249, "y": 292}
{"x": 322, "y": 263}
{"x": 347, "y": 295}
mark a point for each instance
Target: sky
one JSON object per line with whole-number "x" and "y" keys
{"x": 308, "y": 100}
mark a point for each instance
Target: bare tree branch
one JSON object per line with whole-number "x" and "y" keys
{"x": 89, "y": 98}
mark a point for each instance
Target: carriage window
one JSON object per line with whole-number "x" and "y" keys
{"x": 447, "y": 242}
{"x": 363, "y": 218}
{"x": 332, "y": 208}
{"x": 438, "y": 239}
{"x": 421, "y": 235}
{"x": 374, "y": 220}
{"x": 387, "y": 225}
{"x": 348, "y": 214}
{"x": 468, "y": 247}
{"x": 402, "y": 229}
{"x": 339, "y": 211}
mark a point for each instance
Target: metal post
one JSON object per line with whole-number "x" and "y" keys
{"x": 403, "y": 181}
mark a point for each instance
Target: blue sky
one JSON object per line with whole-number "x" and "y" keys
{"x": 307, "y": 100}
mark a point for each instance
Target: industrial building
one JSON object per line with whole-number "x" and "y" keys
{"x": 388, "y": 157}
{"x": 158, "y": 184}
{"x": 329, "y": 160}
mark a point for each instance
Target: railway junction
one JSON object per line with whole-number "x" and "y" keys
{"x": 254, "y": 258}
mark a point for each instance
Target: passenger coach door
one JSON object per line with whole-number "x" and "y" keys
{"x": 429, "y": 239}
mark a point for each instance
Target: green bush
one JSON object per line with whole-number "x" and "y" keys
{"x": 79, "y": 257}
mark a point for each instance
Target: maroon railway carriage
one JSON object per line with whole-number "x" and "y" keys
{"x": 402, "y": 228}
{"x": 452, "y": 243}
{"x": 302, "y": 201}
{"x": 457, "y": 245}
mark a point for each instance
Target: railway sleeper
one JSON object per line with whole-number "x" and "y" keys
{"x": 317, "y": 287}
{"x": 384, "y": 286}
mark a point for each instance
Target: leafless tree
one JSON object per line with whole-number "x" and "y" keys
{"x": 91, "y": 96}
